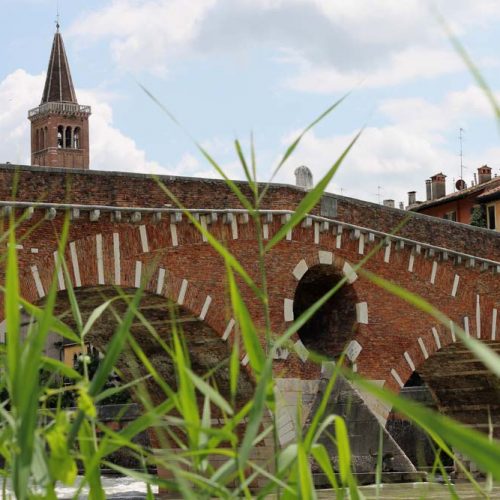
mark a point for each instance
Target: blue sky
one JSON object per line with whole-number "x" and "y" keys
{"x": 227, "y": 68}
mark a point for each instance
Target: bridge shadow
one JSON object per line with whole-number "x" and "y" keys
{"x": 453, "y": 382}
{"x": 157, "y": 317}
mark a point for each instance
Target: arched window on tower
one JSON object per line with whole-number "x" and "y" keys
{"x": 76, "y": 138}
{"x": 46, "y": 138}
{"x": 67, "y": 142}
{"x": 37, "y": 140}
{"x": 43, "y": 139}
{"x": 60, "y": 137}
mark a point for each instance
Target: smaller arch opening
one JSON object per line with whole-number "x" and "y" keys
{"x": 68, "y": 137}
{"x": 330, "y": 329}
{"x": 60, "y": 136}
{"x": 414, "y": 441}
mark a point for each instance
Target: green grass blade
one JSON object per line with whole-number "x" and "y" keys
{"x": 56, "y": 325}
{"x": 92, "y": 472}
{"x": 12, "y": 314}
{"x": 95, "y": 315}
{"x": 296, "y": 142}
{"x": 310, "y": 199}
{"x": 186, "y": 391}
{"x": 231, "y": 184}
{"x": 482, "y": 352}
{"x": 216, "y": 245}
{"x": 248, "y": 175}
{"x": 343, "y": 448}
{"x": 247, "y": 328}
{"x": 473, "y": 69}
{"x": 306, "y": 484}
{"x": 113, "y": 351}
{"x": 56, "y": 366}
{"x": 209, "y": 392}
{"x": 321, "y": 456}
{"x": 475, "y": 445}
{"x": 234, "y": 364}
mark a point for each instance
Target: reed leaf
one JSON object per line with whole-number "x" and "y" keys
{"x": 311, "y": 198}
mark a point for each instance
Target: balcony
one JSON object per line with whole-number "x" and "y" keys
{"x": 62, "y": 108}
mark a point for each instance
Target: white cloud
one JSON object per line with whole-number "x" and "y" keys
{"x": 407, "y": 65}
{"x": 110, "y": 149}
{"x": 401, "y": 154}
{"x": 426, "y": 118}
{"x": 390, "y": 157}
{"x": 334, "y": 44}
{"x": 16, "y": 95}
{"x": 144, "y": 34}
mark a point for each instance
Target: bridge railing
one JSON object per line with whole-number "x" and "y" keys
{"x": 134, "y": 215}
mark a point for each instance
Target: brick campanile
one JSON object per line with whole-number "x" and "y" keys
{"x": 59, "y": 126}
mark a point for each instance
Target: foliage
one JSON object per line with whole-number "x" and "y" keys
{"x": 60, "y": 392}
{"x": 478, "y": 216}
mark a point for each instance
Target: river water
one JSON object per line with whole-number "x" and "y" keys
{"x": 128, "y": 488}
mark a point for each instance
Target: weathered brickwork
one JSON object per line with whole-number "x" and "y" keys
{"x": 387, "y": 339}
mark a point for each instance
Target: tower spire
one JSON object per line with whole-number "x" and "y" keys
{"x": 59, "y": 125}
{"x": 58, "y": 84}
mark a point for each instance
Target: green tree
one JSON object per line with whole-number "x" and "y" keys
{"x": 478, "y": 216}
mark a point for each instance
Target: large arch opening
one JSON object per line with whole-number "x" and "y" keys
{"x": 330, "y": 329}
{"x": 209, "y": 358}
{"x": 453, "y": 382}
{"x": 207, "y": 351}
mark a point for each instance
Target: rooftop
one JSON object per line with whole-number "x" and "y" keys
{"x": 478, "y": 188}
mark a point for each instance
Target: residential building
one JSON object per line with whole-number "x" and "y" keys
{"x": 478, "y": 204}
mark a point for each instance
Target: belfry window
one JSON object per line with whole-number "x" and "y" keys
{"x": 69, "y": 133}
{"x": 60, "y": 132}
{"x": 76, "y": 138}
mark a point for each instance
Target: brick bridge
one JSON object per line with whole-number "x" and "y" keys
{"x": 123, "y": 231}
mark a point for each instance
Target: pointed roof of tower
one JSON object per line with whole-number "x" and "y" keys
{"x": 58, "y": 85}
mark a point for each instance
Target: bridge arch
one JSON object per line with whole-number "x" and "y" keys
{"x": 208, "y": 352}
{"x": 104, "y": 261}
{"x": 446, "y": 377}
{"x": 123, "y": 253}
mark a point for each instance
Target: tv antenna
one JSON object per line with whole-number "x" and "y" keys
{"x": 461, "y": 153}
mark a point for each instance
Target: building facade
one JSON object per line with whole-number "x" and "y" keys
{"x": 478, "y": 204}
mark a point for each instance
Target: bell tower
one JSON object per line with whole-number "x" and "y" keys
{"x": 59, "y": 126}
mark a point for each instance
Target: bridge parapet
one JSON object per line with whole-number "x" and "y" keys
{"x": 136, "y": 214}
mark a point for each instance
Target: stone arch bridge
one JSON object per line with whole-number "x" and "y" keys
{"x": 124, "y": 230}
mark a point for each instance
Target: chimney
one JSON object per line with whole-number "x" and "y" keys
{"x": 412, "y": 197}
{"x": 428, "y": 189}
{"x": 303, "y": 177}
{"x": 484, "y": 174}
{"x": 438, "y": 186}
{"x": 388, "y": 203}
